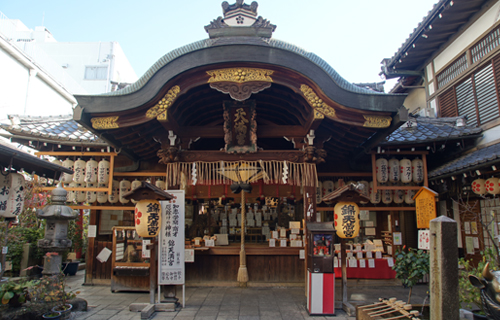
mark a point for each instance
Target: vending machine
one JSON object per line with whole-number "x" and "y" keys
{"x": 320, "y": 273}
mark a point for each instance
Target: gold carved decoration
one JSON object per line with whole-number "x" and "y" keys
{"x": 163, "y": 104}
{"x": 104, "y": 123}
{"x": 315, "y": 102}
{"x": 377, "y": 121}
{"x": 240, "y": 75}
{"x": 318, "y": 115}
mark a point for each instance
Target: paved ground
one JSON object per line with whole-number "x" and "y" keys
{"x": 230, "y": 302}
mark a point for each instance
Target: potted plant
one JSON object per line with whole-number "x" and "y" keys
{"x": 410, "y": 265}
{"x": 51, "y": 290}
{"x": 52, "y": 315}
{"x": 15, "y": 293}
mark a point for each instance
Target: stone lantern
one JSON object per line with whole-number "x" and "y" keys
{"x": 56, "y": 239}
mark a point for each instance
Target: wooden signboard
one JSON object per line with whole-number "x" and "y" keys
{"x": 425, "y": 202}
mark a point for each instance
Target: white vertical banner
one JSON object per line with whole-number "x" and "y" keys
{"x": 171, "y": 268}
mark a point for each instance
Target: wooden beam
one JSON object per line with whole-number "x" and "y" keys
{"x": 372, "y": 208}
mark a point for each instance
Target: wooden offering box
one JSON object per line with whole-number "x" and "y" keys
{"x": 131, "y": 263}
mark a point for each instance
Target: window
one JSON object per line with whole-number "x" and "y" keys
{"x": 475, "y": 97}
{"x": 96, "y": 73}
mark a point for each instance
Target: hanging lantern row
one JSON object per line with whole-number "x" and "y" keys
{"x": 489, "y": 186}
{"x": 85, "y": 172}
{"x": 384, "y": 196}
{"x": 119, "y": 188}
{"x": 11, "y": 195}
{"x": 404, "y": 170}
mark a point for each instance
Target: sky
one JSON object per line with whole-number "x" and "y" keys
{"x": 352, "y": 36}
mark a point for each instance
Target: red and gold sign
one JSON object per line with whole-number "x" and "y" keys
{"x": 240, "y": 126}
{"x": 147, "y": 218}
{"x": 425, "y": 203}
{"x": 346, "y": 219}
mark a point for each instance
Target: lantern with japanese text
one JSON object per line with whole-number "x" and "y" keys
{"x": 375, "y": 197}
{"x": 113, "y": 196}
{"x": 102, "y": 196}
{"x": 399, "y": 196}
{"x": 393, "y": 170}
{"x": 328, "y": 187}
{"x": 386, "y": 196}
{"x": 80, "y": 195}
{"x": 91, "y": 171}
{"x": 417, "y": 168}
{"x": 478, "y": 186}
{"x": 409, "y": 194}
{"x": 103, "y": 171}
{"x": 79, "y": 168}
{"x": 91, "y": 195}
{"x": 365, "y": 189}
{"x": 382, "y": 168}
{"x": 406, "y": 175}
{"x": 66, "y": 177}
{"x": 147, "y": 214}
{"x": 71, "y": 194}
{"x": 147, "y": 218}
{"x": 124, "y": 188}
{"x": 346, "y": 219}
{"x": 492, "y": 185}
{"x": 11, "y": 195}
{"x": 134, "y": 185}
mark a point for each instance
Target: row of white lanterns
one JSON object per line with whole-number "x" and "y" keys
{"x": 384, "y": 196}
{"x": 404, "y": 170}
{"x": 488, "y": 186}
{"x": 85, "y": 172}
{"x": 119, "y": 189}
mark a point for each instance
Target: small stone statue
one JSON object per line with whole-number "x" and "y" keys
{"x": 490, "y": 291}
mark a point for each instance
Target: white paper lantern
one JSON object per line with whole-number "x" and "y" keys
{"x": 406, "y": 175}
{"x": 91, "y": 171}
{"x": 11, "y": 195}
{"x": 375, "y": 197}
{"x": 134, "y": 185}
{"x": 124, "y": 188}
{"x": 79, "y": 175}
{"x": 328, "y": 187}
{"x": 160, "y": 184}
{"x": 382, "y": 168}
{"x": 81, "y": 196}
{"x": 72, "y": 193}
{"x": 91, "y": 195}
{"x": 319, "y": 192}
{"x": 66, "y": 177}
{"x": 113, "y": 197}
{"x": 417, "y": 168}
{"x": 478, "y": 186}
{"x": 386, "y": 196}
{"x": 399, "y": 196}
{"x": 393, "y": 170}
{"x": 57, "y": 161}
{"x": 102, "y": 196}
{"x": 103, "y": 172}
{"x": 492, "y": 185}
{"x": 409, "y": 194}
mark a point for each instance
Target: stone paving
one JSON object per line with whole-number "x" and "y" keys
{"x": 227, "y": 302}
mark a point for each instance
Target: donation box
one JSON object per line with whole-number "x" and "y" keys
{"x": 320, "y": 273}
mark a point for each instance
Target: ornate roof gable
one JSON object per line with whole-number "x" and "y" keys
{"x": 240, "y": 20}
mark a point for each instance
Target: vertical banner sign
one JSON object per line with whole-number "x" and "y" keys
{"x": 171, "y": 239}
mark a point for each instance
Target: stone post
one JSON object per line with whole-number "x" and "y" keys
{"x": 443, "y": 269}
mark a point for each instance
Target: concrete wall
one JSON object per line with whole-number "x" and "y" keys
{"x": 25, "y": 92}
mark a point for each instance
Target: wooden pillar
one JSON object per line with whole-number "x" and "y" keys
{"x": 89, "y": 259}
{"x": 152, "y": 271}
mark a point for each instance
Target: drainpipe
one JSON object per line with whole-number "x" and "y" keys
{"x": 32, "y": 75}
